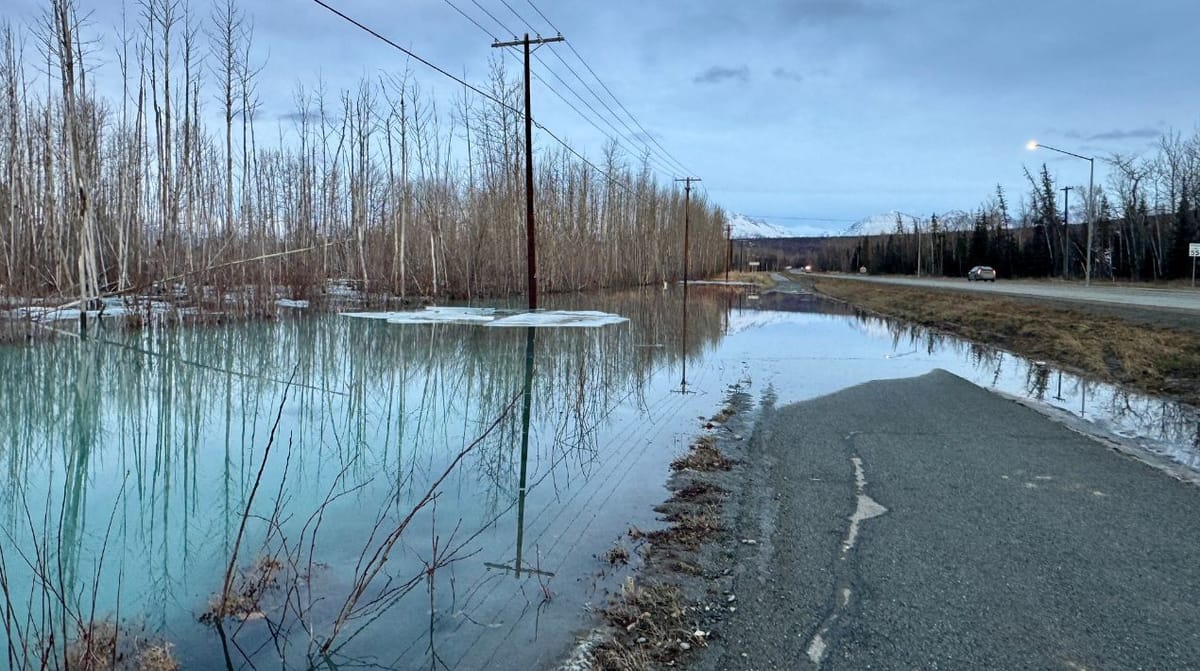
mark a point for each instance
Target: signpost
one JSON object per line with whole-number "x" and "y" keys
{"x": 1193, "y": 252}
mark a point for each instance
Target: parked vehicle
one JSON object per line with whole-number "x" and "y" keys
{"x": 982, "y": 274}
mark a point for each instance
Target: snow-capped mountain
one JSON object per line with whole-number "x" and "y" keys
{"x": 742, "y": 227}
{"x": 885, "y": 223}
{"x": 955, "y": 220}
{"x": 882, "y": 224}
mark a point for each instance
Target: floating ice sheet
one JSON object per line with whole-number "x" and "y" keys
{"x": 113, "y": 307}
{"x": 561, "y": 318}
{"x": 496, "y": 318}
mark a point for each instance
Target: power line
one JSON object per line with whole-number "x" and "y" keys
{"x": 668, "y": 158}
{"x": 646, "y": 133}
{"x": 414, "y": 56}
{"x": 493, "y": 17}
{"x": 661, "y": 164}
{"x": 631, "y": 134}
{"x": 472, "y": 20}
{"x": 667, "y": 162}
{"x": 522, "y": 18}
{"x": 483, "y": 94}
{"x": 665, "y": 168}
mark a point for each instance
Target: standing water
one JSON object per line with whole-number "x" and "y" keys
{"x": 405, "y": 495}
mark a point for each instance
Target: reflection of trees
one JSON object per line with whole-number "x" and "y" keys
{"x": 1167, "y": 426}
{"x": 1037, "y": 378}
{"x": 186, "y": 413}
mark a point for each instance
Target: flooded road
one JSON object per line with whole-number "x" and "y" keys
{"x": 410, "y": 495}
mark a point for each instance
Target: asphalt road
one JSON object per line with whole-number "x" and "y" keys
{"x": 1185, "y": 299}
{"x": 986, "y": 536}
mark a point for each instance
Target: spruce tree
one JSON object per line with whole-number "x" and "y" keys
{"x": 1185, "y": 234}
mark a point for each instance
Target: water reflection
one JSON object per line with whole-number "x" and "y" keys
{"x": 518, "y": 564}
{"x": 1166, "y": 428}
{"x": 375, "y": 413}
{"x": 402, "y": 452}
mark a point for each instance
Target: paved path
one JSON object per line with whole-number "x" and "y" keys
{"x": 930, "y": 524}
{"x": 1185, "y": 299}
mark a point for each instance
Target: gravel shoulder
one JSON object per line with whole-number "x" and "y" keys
{"x": 1176, "y": 307}
{"x": 1152, "y": 350}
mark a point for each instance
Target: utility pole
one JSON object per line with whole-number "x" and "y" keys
{"x": 687, "y": 194}
{"x": 917, "y": 226}
{"x": 530, "y": 239}
{"x": 729, "y": 253}
{"x": 1066, "y": 231}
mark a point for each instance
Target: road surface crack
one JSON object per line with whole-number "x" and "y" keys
{"x": 865, "y": 509}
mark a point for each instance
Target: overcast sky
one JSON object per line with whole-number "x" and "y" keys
{"x": 799, "y": 110}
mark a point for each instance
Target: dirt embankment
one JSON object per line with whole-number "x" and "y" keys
{"x": 1157, "y": 352}
{"x": 675, "y": 603}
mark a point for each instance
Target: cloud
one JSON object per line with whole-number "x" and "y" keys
{"x": 829, "y": 11}
{"x": 787, "y": 74}
{"x": 1135, "y": 134}
{"x": 717, "y": 74}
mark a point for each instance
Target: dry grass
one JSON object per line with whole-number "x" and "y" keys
{"x": 244, "y": 601}
{"x": 702, "y": 456}
{"x": 1155, "y": 359}
{"x": 724, "y": 415}
{"x": 762, "y": 280}
{"x": 690, "y": 527}
{"x": 104, "y": 646}
{"x": 652, "y": 628}
{"x": 617, "y": 554}
{"x": 699, "y": 491}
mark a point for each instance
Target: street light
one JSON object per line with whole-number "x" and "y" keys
{"x": 1034, "y": 144}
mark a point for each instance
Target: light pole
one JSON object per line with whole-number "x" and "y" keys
{"x": 1034, "y": 144}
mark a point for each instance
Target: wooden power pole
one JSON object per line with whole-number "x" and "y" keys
{"x": 530, "y": 238}
{"x": 729, "y": 251}
{"x": 687, "y": 194}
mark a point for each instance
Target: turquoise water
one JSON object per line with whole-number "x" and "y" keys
{"x": 136, "y": 465}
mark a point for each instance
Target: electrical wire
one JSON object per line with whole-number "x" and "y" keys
{"x": 500, "y": 23}
{"x": 646, "y": 133}
{"x": 471, "y": 87}
{"x": 663, "y": 165}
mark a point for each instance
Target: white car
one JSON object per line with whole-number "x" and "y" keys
{"x": 982, "y": 274}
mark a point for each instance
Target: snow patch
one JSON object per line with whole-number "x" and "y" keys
{"x": 887, "y": 222}
{"x": 742, "y": 227}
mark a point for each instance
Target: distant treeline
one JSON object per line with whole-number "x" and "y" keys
{"x": 172, "y": 178}
{"x": 1145, "y": 217}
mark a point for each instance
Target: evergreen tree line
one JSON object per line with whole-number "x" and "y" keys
{"x": 178, "y": 182}
{"x": 1145, "y": 218}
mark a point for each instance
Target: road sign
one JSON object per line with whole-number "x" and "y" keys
{"x": 1194, "y": 249}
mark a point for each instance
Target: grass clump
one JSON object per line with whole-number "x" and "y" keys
{"x": 652, "y": 628}
{"x": 244, "y": 601}
{"x": 617, "y": 554}
{"x": 105, "y": 645}
{"x": 702, "y": 456}
{"x": 689, "y": 527}
{"x": 724, "y": 414}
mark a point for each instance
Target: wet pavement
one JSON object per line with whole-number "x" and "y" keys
{"x": 996, "y": 538}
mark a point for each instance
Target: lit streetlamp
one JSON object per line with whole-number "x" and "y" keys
{"x": 1034, "y": 144}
